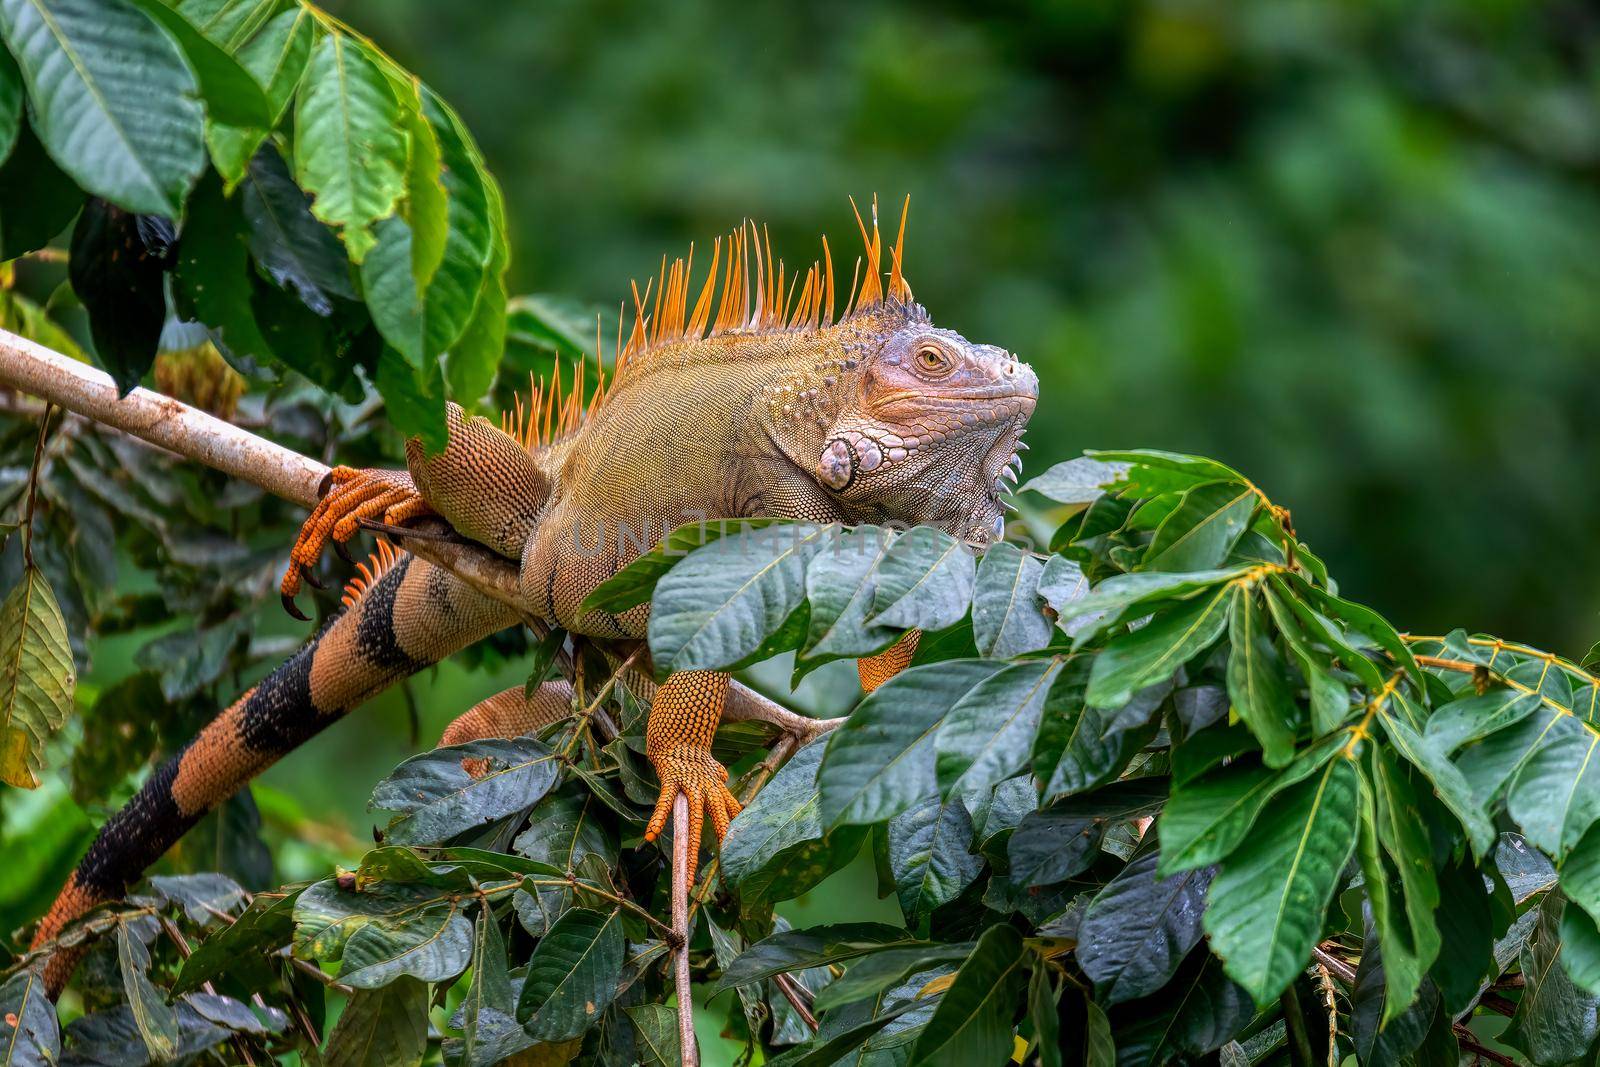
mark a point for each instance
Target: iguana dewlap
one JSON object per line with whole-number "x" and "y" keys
{"x": 744, "y": 399}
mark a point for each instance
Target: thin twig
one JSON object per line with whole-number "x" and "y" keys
{"x": 1464, "y": 1039}
{"x": 682, "y": 872}
{"x": 170, "y": 928}
{"x": 33, "y": 488}
{"x": 797, "y": 996}
{"x": 1341, "y": 970}
{"x": 314, "y": 971}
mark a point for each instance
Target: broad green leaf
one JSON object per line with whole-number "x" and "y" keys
{"x": 157, "y": 1022}
{"x": 925, "y": 582}
{"x": 37, "y": 677}
{"x": 1099, "y": 1047}
{"x": 1121, "y": 592}
{"x": 972, "y": 1023}
{"x": 1043, "y": 997}
{"x": 880, "y": 970}
{"x": 840, "y": 583}
{"x": 1257, "y": 684}
{"x": 633, "y": 584}
{"x": 391, "y": 289}
{"x": 414, "y": 398}
{"x": 1152, "y": 653}
{"x": 1198, "y": 1012}
{"x": 1076, "y": 749}
{"x": 721, "y": 604}
{"x": 572, "y": 975}
{"x": 1058, "y": 842}
{"x": 1379, "y": 1040}
{"x": 1007, "y": 619}
{"x": 1466, "y": 936}
{"x": 1365, "y": 621}
{"x": 36, "y": 200}
{"x": 1267, "y": 903}
{"x": 232, "y": 95}
{"x": 1556, "y": 1020}
{"x": 1580, "y": 872}
{"x": 453, "y": 289}
{"x": 211, "y": 282}
{"x": 1317, "y": 628}
{"x": 385, "y": 931}
{"x": 299, "y": 253}
{"x": 1062, "y": 583}
{"x": 1077, "y": 481}
{"x": 350, "y": 141}
{"x": 1397, "y": 864}
{"x": 1138, "y": 929}
{"x": 1448, "y": 783}
{"x": 796, "y": 950}
{"x": 11, "y": 100}
{"x": 200, "y": 896}
{"x": 1202, "y": 530}
{"x": 987, "y": 735}
{"x": 1580, "y": 948}
{"x": 111, "y": 99}
{"x": 474, "y": 358}
{"x": 276, "y": 58}
{"x": 1556, "y": 794}
{"x": 1471, "y": 718}
{"x": 262, "y": 927}
{"x": 659, "y": 1040}
{"x": 384, "y": 1027}
{"x": 1194, "y": 466}
{"x": 451, "y": 790}
{"x": 777, "y": 847}
{"x": 882, "y": 761}
{"x": 29, "y": 1033}
{"x": 931, "y": 855}
{"x": 117, "y": 263}
{"x": 488, "y": 1011}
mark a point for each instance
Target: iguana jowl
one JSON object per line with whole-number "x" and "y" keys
{"x": 760, "y": 406}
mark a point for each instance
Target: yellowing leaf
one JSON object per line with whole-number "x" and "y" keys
{"x": 36, "y": 677}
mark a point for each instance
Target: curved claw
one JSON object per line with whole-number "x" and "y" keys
{"x": 293, "y": 609}
{"x": 324, "y": 485}
{"x": 702, "y": 780}
{"x": 309, "y": 576}
{"x": 343, "y": 552}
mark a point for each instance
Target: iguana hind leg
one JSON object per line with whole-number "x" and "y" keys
{"x": 683, "y": 720}
{"x": 511, "y": 713}
{"x": 875, "y": 670}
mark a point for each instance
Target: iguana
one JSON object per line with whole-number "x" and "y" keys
{"x": 766, "y": 407}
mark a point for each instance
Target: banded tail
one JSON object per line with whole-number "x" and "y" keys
{"x": 409, "y": 616}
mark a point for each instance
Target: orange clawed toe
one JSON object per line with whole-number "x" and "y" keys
{"x": 349, "y": 495}
{"x": 705, "y": 782}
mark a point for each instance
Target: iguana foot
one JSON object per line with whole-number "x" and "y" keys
{"x": 694, "y": 773}
{"x": 350, "y": 496}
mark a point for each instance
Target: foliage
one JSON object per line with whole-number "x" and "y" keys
{"x": 1152, "y": 791}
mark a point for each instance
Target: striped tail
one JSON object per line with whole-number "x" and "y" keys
{"x": 411, "y": 615}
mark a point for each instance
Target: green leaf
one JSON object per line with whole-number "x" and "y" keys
{"x": 350, "y": 141}
{"x": 211, "y": 282}
{"x": 1138, "y": 929}
{"x": 819, "y": 946}
{"x": 488, "y": 1011}
{"x": 720, "y": 605}
{"x": 1202, "y": 529}
{"x": 1394, "y": 848}
{"x": 232, "y": 95}
{"x": 11, "y": 99}
{"x": 1448, "y": 783}
{"x": 659, "y": 1040}
{"x": 1379, "y": 1041}
{"x": 930, "y": 853}
{"x": 1580, "y": 948}
{"x": 1556, "y": 1020}
{"x": 439, "y": 798}
{"x": 1201, "y": 1010}
{"x": 37, "y": 677}
{"x": 1256, "y": 681}
{"x": 384, "y": 930}
{"x": 414, "y": 398}
{"x": 36, "y": 199}
{"x": 840, "y": 585}
{"x": 276, "y": 58}
{"x": 987, "y": 735}
{"x": 384, "y": 1027}
{"x": 882, "y": 970}
{"x": 572, "y": 975}
{"x": 157, "y": 1022}
{"x": 468, "y": 259}
{"x": 1267, "y": 903}
{"x": 112, "y": 99}
{"x": 1466, "y": 936}
{"x": 261, "y": 928}
{"x": 1365, "y": 621}
{"x": 776, "y": 847}
{"x": 1099, "y": 1048}
{"x": 299, "y": 253}
{"x": 1472, "y": 718}
{"x": 29, "y": 1033}
{"x": 1058, "y": 842}
{"x": 1154, "y": 652}
{"x": 1042, "y": 1012}
{"x": 1197, "y": 467}
{"x": 1556, "y": 794}
{"x": 924, "y": 583}
{"x": 634, "y": 584}
{"x": 1077, "y": 481}
{"x": 391, "y": 290}
{"x": 1076, "y": 748}
{"x": 880, "y": 762}
{"x": 1007, "y": 619}
{"x": 116, "y": 266}
{"x": 1580, "y": 872}
{"x": 972, "y": 1023}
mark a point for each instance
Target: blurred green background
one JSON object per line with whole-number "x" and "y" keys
{"x": 1351, "y": 248}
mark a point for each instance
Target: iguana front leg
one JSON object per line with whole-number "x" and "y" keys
{"x": 683, "y": 720}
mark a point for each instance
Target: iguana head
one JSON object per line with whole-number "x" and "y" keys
{"x": 921, "y": 424}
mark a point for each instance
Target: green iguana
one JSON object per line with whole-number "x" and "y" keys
{"x": 768, "y": 407}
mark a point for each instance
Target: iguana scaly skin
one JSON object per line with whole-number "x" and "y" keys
{"x": 767, "y": 408}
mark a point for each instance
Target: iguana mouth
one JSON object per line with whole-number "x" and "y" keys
{"x": 1002, "y": 464}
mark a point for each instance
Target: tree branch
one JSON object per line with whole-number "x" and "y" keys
{"x": 682, "y": 872}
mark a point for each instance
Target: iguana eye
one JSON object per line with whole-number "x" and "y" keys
{"x": 934, "y": 361}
